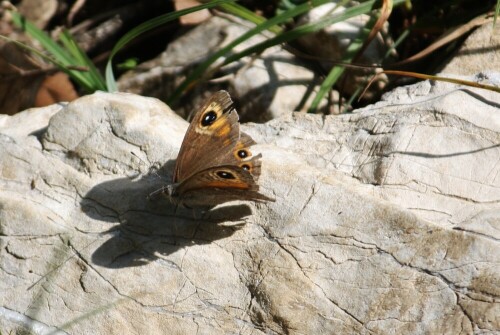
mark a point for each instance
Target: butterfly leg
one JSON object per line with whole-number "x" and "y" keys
{"x": 156, "y": 193}
{"x": 176, "y": 209}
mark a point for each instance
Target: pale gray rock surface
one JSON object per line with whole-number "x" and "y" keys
{"x": 479, "y": 52}
{"x": 386, "y": 221}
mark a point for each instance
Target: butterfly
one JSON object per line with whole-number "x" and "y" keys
{"x": 215, "y": 164}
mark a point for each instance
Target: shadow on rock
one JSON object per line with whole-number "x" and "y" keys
{"x": 149, "y": 229}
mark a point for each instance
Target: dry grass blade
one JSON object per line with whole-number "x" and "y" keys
{"x": 448, "y": 37}
{"x": 385, "y": 12}
{"x": 431, "y": 77}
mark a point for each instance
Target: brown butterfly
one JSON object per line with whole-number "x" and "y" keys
{"x": 215, "y": 164}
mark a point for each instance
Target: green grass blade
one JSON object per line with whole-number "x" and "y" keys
{"x": 93, "y": 76}
{"x": 81, "y": 77}
{"x": 302, "y": 30}
{"x": 146, "y": 26}
{"x": 336, "y": 72}
{"x": 402, "y": 37}
{"x": 248, "y": 15}
{"x": 334, "y": 75}
{"x": 34, "y": 51}
{"x": 62, "y": 58}
{"x": 51, "y": 46}
{"x": 306, "y": 29}
{"x": 201, "y": 69}
{"x": 497, "y": 12}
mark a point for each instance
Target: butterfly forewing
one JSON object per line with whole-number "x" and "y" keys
{"x": 213, "y": 130}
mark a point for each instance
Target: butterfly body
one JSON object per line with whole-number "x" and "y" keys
{"x": 215, "y": 164}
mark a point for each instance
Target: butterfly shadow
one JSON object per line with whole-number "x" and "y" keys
{"x": 145, "y": 230}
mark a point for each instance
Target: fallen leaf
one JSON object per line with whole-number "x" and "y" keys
{"x": 26, "y": 82}
{"x": 193, "y": 18}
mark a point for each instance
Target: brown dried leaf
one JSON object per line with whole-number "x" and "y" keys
{"x": 193, "y": 18}
{"x": 27, "y": 83}
{"x": 55, "y": 88}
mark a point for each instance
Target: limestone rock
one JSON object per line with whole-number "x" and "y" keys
{"x": 479, "y": 52}
{"x": 386, "y": 221}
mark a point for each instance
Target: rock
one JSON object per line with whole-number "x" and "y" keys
{"x": 386, "y": 221}
{"x": 264, "y": 87}
{"x": 334, "y": 41}
{"x": 39, "y": 13}
{"x": 478, "y": 53}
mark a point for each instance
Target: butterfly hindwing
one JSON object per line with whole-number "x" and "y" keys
{"x": 219, "y": 184}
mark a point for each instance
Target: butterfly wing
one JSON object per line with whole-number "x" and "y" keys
{"x": 219, "y": 184}
{"x": 215, "y": 163}
{"x": 213, "y": 132}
